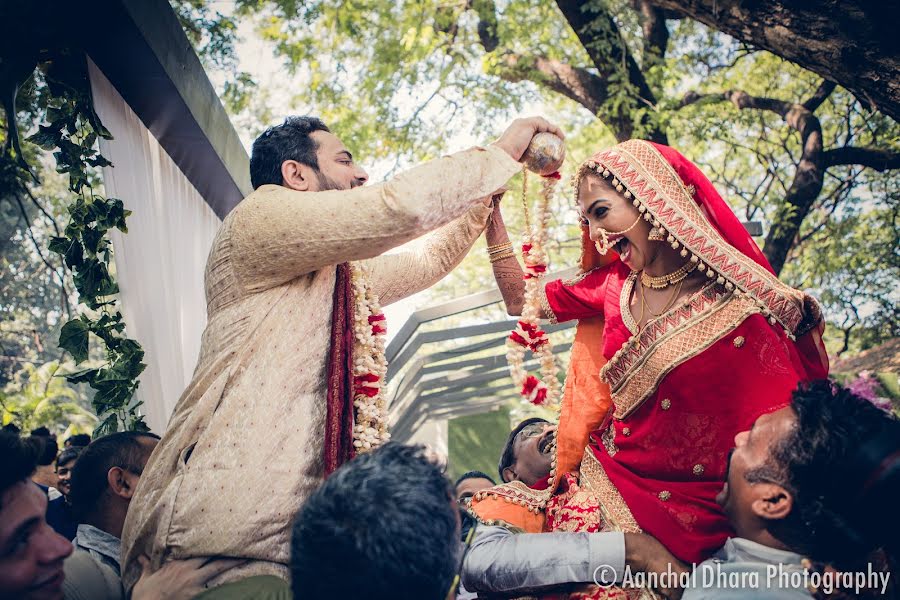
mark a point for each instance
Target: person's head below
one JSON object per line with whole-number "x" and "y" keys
{"x": 31, "y": 552}
{"x": 385, "y": 525}
{"x": 470, "y": 483}
{"x": 105, "y": 477}
{"x": 45, "y": 453}
{"x": 77, "y": 440}
{"x": 302, "y": 154}
{"x": 528, "y": 453}
{"x": 45, "y": 449}
{"x": 64, "y": 464}
{"x": 819, "y": 477}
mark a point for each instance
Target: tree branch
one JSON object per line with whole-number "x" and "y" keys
{"x": 575, "y": 83}
{"x": 656, "y": 33}
{"x": 821, "y": 94}
{"x": 598, "y": 33}
{"x": 851, "y": 47}
{"x": 60, "y": 274}
{"x": 874, "y": 158}
{"x": 808, "y": 178}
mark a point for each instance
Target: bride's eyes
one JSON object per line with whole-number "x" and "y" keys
{"x": 600, "y": 212}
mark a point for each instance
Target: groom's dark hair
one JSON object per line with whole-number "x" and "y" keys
{"x": 385, "y": 525}
{"x": 289, "y": 141}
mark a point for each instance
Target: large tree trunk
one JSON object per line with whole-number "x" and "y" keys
{"x": 851, "y": 42}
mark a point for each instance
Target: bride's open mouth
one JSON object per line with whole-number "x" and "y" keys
{"x": 623, "y": 248}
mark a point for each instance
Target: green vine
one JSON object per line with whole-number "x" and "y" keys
{"x": 71, "y": 131}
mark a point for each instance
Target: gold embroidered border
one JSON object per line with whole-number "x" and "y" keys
{"x": 517, "y": 492}
{"x": 655, "y": 330}
{"x": 612, "y": 505}
{"x": 608, "y": 437}
{"x": 681, "y": 344}
{"x": 578, "y": 278}
{"x": 624, "y": 307}
{"x": 548, "y": 310}
{"x": 650, "y": 178}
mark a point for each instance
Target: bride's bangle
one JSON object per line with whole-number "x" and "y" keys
{"x": 502, "y": 256}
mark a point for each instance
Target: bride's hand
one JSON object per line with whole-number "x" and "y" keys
{"x": 494, "y": 198}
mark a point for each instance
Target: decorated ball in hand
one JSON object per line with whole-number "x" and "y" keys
{"x": 545, "y": 154}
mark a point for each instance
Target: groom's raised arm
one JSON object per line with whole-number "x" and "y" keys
{"x": 397, "y": 275}
{"x": 278, "y": 234}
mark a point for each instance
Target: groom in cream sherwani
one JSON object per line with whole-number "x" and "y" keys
{"x": 244, "y": 445}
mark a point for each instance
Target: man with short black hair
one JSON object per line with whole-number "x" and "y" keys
{"x": 295, "y": 283}
{"x": 45, "y": 451}
{"x": 103, "y": 482}
{"x": 31, "y": 553}
{"x": 59, "y": 510}
{"x": 471, "y": 482}
{"x": 292, "y": 141}
{"x": 383, "y": 526}
{"x": 818, "y": 479}
{"x": 528, "y": 452}
{"x": 77, "y": 440}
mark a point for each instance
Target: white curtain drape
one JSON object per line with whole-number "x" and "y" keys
{"x": 160, "y": 262}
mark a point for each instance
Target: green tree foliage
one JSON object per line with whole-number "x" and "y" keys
{"x": 395, "y": 79}
{"x": 39, "y": 396}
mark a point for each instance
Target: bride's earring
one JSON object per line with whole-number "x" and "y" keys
{"x": 655, "y": 235}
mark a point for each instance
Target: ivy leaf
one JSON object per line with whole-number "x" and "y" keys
{"x": 109, "y": 425}
{"x": 83, "y": 376}
{"x": 111, "y": 394}
{"x": 74, "y": 256}
{"x": 99, "y": 161}
{"x": 91, "y": 238}
{"x": 45, "y": 137}
{"x": 59, "y": 245}
{"x": 73, "y": 338}
{"x": 137, "y": 423}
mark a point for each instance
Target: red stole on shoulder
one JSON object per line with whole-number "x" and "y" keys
{"x": 339, "y": 402}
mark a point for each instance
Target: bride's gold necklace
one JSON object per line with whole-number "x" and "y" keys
{"x": 663, "y": 281}
{"x": 668, "y": 305}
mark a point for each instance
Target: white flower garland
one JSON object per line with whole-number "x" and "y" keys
{"x": 369, "y": 365}
{"x": 528, "y": 333}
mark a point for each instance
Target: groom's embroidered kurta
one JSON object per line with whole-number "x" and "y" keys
{"x": 243, "y": 447}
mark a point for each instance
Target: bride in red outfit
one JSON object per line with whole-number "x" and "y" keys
{"x": 685, "y": 337}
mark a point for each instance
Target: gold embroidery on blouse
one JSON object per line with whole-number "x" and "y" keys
{"x": 646, "y": 174}
{"x": 635, "y": 372}
{"x": 612, "y": 504}
{"x": 608, "y": 437}
{"x": 578, "y": 278}
{"x": 516, "y": 492}
{"x": 624, "y": 304}
{"x": 545, "y": 305}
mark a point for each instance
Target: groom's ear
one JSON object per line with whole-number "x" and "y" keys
{"x": 297, "y": 176}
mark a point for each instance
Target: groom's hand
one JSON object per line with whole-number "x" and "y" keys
{"x": 518, "y": 135}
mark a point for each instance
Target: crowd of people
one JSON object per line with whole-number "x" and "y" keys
{"x": 699, "y": 447}
{"x": 814, "y": 481}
